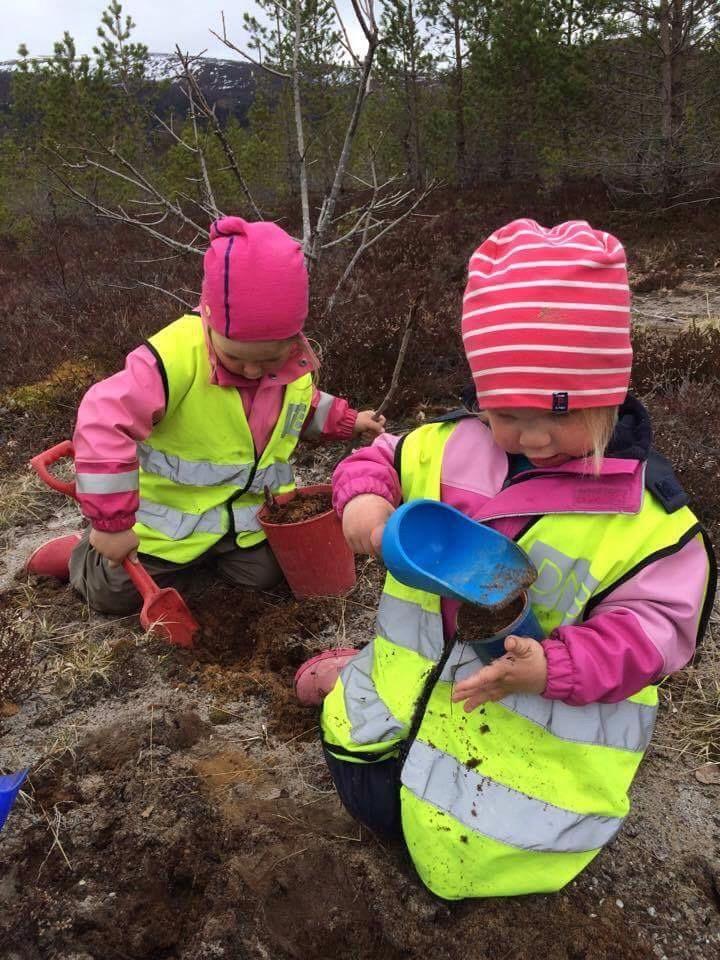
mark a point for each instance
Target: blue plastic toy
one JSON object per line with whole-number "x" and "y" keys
{"x": 432, "y": 546}
{"x": 9, "y": 789}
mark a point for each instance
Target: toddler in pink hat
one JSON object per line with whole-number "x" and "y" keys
{"x": 507, "y": 776}
{"x": 173, "y": 453}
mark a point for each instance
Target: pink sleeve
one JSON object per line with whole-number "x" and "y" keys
{"x": 113, "y": 415}
{"x": 368, "y": 470}
{"x": 330, "y": 418}
{"x": 643, "y": 630}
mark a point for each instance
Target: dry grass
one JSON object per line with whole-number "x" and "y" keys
{"x": 24, "y": 498}
{"x": 80, "y": 654}
{"x": 692, "y": 702}
{"x": 86, "y": 661}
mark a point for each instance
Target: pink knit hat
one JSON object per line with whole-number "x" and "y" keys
{"x": 255, "y": 284}
{"x": 546, "y": 318}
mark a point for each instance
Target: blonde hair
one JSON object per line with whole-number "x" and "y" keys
{"x": 600, "y": 424}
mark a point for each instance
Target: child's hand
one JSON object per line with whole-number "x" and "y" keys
{"x": 364, "y": 519}
{"x": 523, "y": 669}
{"x": 367, "y": 427}
{"x": 115, "y": 546}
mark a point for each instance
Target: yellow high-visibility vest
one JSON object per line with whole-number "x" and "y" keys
{"x": 520, "y": 795}
{"x": 200, "y": 476}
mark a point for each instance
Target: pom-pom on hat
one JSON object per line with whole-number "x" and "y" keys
{"x": 255, "y": 283}
{"x": 546, "y": 318}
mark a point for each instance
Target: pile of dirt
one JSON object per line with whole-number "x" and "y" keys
{"x": 251, "y": 643}
{"x": 160, "y": 856}
{"x": 301, "y": 507}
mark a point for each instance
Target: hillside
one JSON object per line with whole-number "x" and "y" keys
{"x": 229, "y": 84}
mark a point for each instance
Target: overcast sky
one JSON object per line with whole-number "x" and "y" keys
{"x": 160, "y": 24}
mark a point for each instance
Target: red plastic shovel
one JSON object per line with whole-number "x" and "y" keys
{"x": 163, "y": 611}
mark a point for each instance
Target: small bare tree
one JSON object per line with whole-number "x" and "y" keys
{"x": 179, "y": 221}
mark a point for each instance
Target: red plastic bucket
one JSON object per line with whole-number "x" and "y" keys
{"x": 313, "y": 554}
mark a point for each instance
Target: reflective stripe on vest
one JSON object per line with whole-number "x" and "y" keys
{"x": 246, "y": 518}
{"x": 315, "y": 428}
{"x": 496, "y": 811}
{"x": 200, "y": 474}
{"x": 107, "y": 482}
{"x": 178, "y": 525}
{"x": 203, "y": 473}
{"x": 372, "y": 721}
{"x": 409, "y": 625}
{"x": 627, "y": 725}
{"x": 402, "y": 624}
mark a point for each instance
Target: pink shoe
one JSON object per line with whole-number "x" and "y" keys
{"x": 316, "y": 677}
{"x": 52, "y": 559}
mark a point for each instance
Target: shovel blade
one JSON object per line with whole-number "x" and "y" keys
{"x": 167, "y": 615}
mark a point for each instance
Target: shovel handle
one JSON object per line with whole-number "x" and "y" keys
{"x": 144, "y": 583}
{"x": 46, "y": 459}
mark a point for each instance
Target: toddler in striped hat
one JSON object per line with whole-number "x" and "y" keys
{"x": 546, "y": 329}
{"x": 508, "y": 776}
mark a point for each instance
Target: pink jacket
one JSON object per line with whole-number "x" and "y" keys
{"x": 643, "y": 630}
{"x": 117, "y": 413}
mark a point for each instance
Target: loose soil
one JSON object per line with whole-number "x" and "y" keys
{"x": 301, "y": 507}
{"x": 476, "y": 622}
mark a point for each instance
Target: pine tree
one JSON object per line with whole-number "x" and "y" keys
{"x": 404, "y": 65}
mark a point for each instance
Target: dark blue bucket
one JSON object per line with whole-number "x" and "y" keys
{"x": 9, "y": 789}
{"x": 525, "y": 624}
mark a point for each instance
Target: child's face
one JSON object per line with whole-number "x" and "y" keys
{"x": 251, "y": 359}
{"x": 546, "y": 439}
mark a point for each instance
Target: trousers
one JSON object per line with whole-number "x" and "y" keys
{"x": 109, "y": 589}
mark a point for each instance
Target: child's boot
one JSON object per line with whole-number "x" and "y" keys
{"x": 316, "y": 677}
{"x": 52, "y": 559}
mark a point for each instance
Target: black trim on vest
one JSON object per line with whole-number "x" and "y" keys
{"x": 668, "y": 551}
{"x": 711, "y": 587}
{"x": 163, "y": 372}
{"x": 370, "y": 756}
{"x": 397, "y": 457}
{"x": 536, "y": 518}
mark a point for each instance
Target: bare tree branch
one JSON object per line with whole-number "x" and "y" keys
{"x": 123, "y": 217}
{"x": 367, "y": 243}
{"x": 328, "y": 208}
{"x": 209, "y": 113}
{"x": 299, "y": 130}
{"x": 409, "y": 324}
{"x": 243, "y": 53}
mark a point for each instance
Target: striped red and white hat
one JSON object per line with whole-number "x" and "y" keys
{"x": 546, "y": 318}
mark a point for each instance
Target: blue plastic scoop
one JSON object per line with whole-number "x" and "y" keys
{"x": 9, "y": 789}
{"x": 432, "y": 546}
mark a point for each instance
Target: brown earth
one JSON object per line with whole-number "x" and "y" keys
{"x": 476, "y": 622}
{"x": 178, "y": 806}
{"x": 301, "y": 507}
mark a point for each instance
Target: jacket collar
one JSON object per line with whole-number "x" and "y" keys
{"x": 573, "y": 487}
